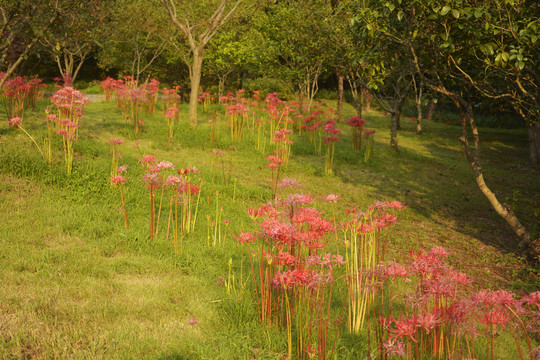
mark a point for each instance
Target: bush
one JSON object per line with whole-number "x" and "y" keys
{"x": 270, "y": 85}
{"x": 326, "y": 94}
{"x": 89, "y": 87}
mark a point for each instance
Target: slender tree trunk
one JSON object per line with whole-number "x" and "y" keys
{"x": 221, "y": 86}
{"x": 533, "y": 131}
{"x": 394, "y": 122}
{"x": 538, "y": 138}
{"x": 419, "y": 114}
{"x": 431, "y": 109}
{"x": 340, "y": 96}
{"x": 357, "y": 102}
{"x": 196, "y": 70}
{"x": 473, "y": 158}
{"x": 418, "y": 99}
{"x": 79, "y": 66}
{"x": 366, "y": 95}
{"x": 394, "y": 129}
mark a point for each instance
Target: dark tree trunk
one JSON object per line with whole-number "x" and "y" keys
{"x": 394, "y": 130}
{"x": 533, "y": 131}
{"x": 340, "y": 96}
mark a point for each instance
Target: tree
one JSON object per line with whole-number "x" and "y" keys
{"x": 299, "y": 33}
{"x": 75, "y": 35}
{"x": 386, "y": 61}
{"x": 22, "y": 24}
{"x": 198, "y": 22}
{"x": 135, "y": 40}
{"x": 441, "y": 45}
{"x": 234, "y": 49}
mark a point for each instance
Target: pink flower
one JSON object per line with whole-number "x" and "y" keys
{"x": 369, "y": 133}
{"x": 332, "y": 198}
{"x": 62, "y": 132}
{"x": 245, "y": 238}
{"x": 15, "y": 122}
{"x": 428, "y": 321}
{"x": 192, "y": 320}
{"x": 116, "y": 140}
{"x": 274, "y": 159}
{"x": 122, "y": 168}
{"x": 394, "y": 347}
{"x": 393, "y": 271}
{"x": 285, "y": 258}
{"x": 396, "y": 205}
{"x": 173, "y": 181}
{"x": 163, "y": 165}
{"x": 405, "y": 327}
{"x": 147, "y": 159}
{"x": 288, "y": 182}
{"x": 118, "y": 179}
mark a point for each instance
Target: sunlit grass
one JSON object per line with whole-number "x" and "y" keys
{"x": 77, "y": 284}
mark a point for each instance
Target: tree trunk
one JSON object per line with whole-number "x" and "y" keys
{"x": 366, "y": 95}
{"x": 418, "y": 99}
{"x": 221, "y": 87}
{"x": 474, "y": 160}
{"x": 357, "y": 102}
{"x": 394, "y": 129}
{"x": 394, "y": 122}
{"x": 419, "y": 113}
{"x": 534, "y": 142}
{"x": 340, "y": 96}
{"x": 431, "y": 109}
{"x": 196, "y": 70}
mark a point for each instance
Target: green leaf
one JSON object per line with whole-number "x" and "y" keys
{"x": 498, "y": 60}
{"x": 478, "y": 12}
{"x": 456, "y": 14}
{"x": 520, "y": 65}
{"x": 415, "y": 33}
{"x": 486, "y": 26}
{"x": 505, "y": 56}
{"x": 445, "y": 10}
{"x": 390, "y": 6}
{"x": 400, "y": 15}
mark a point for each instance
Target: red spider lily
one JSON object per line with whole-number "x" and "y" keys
{"x": 332, "y": 198}
{"x": 393, "y": 271}
{"x": 405, "y": 327}
{"x": 245, "y": 238}
{"x": 285, "y": 258}
{"x": 118, "y": 179}
{"x": 15, "y": 122}
{"x": 116, "y": 140}
{"x": 394, "y": 347}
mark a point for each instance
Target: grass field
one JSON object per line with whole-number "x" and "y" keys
{"x": 77, "y": 284}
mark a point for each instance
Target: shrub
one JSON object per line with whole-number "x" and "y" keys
{"x": 270, "y": 85}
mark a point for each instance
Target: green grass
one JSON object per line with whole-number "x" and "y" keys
{"x": 77, "y": 284}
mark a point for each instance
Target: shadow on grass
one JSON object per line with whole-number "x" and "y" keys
{"x": 432, "y": 176}
{"x": 175, "y": 357}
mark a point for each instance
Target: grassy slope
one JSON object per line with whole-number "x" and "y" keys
{"x": 76, "y": 284}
